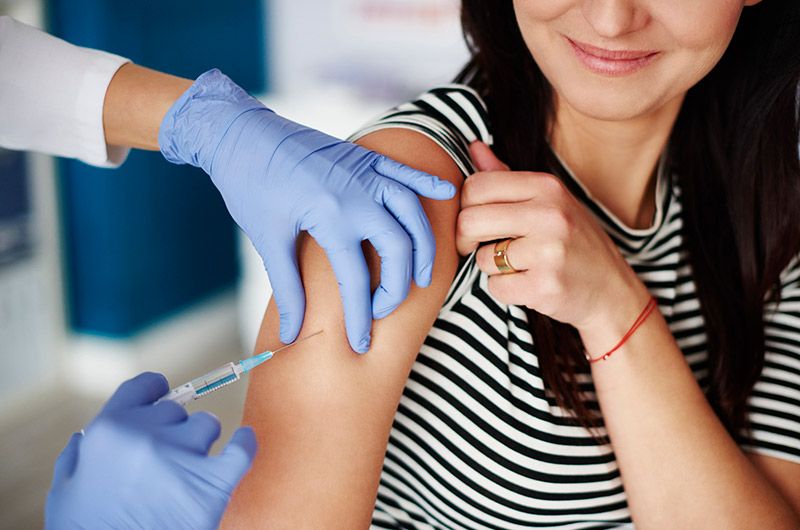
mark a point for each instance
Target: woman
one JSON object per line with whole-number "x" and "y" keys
{"x": 652, "y": 151}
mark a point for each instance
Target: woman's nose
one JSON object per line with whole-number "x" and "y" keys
{"x": 614, "y": 18}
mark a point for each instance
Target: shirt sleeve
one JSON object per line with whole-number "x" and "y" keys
{"x": 774, "y": 405}
{"x": 52, "y": 95}
{"x": 452, "y": 115}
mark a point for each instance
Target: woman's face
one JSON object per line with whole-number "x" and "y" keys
{"x": 621, "y": 59}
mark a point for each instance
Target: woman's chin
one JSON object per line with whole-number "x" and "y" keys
{"x": 602, "y": 103}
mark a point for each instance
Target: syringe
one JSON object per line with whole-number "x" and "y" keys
{"x": 222, "y": 376}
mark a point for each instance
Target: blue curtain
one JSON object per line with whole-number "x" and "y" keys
{"x": 149, "y": 239}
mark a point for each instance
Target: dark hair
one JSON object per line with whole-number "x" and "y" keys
{"x": 734, "y": 152}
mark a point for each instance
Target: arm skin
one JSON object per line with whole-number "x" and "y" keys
{"x": 136, "y": 102}
{"x": 679, "y": 466}
{"x": 322, "y": 415}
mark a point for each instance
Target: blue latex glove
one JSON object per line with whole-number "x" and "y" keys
{"x": 279, "y": 178}
{"x": 141, "y": 465}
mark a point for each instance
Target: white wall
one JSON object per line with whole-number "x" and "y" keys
{"x": 379, "y": 48}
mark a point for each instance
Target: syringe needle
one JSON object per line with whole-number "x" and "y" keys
{"x": 259, "y": 359}
{"x": 222, "y": 376}
{"x": 297, "y": 341}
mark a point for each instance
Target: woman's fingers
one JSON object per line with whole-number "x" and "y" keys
{"x": 509, "y": 186}
{"x": 488, "y": 222}
{"x": 484, "y": 158}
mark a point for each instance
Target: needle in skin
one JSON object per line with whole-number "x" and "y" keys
{"x": 297, "y": 341}
{"x": 252, "y": 362}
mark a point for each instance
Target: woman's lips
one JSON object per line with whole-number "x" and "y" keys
{"x": 611, "y": 62}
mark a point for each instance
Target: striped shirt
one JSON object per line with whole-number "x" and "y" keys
{"x": 479, "y": 442}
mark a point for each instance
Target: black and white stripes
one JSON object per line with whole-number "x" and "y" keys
{"x": 478, "y": 441}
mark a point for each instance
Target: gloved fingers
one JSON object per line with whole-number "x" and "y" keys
{"x": 143, "y": 418}
{"x": 166, "y": 411}
{"x": 406, "y": 208}
{"x": 418, "y": 181}
{"x": 280, "y": 261}
{"x": 197, "y": 434}
{"x": 395, "y": 250}
{"x": 143, "y": 389}
{"x": 352, "y": 275}
{"x": 235, "y": 460}
{"x": 68, "y": 459}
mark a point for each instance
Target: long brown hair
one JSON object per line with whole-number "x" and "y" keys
{"x": 734, "y": 152}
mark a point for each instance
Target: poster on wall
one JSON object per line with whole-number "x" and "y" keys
{"x": 382, "y": 49}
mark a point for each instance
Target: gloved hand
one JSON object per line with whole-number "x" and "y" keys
{"x": 278, "y": 177}
{"x": 141, "y": 465}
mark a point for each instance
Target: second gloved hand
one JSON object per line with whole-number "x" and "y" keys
{"x": 141, "y": 465}
{"x": 279, "y": 178}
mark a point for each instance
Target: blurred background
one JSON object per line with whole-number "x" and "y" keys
{"x": 107, "y": 273}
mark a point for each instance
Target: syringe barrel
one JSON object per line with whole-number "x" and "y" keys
{"x": 181, "y": 395}
{"x": 205, "y": 384}
{"x": 215, "y": 379}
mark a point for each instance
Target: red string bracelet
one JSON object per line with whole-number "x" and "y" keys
{"x": 651, "y": 304}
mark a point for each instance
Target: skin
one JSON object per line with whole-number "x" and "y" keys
{"x": 137, "y": 99}
{"x": 322, "y": 415}
{"x": 618, "y": 126}
{"x": 571, "y": 271}
{"x": 325, "y": 432}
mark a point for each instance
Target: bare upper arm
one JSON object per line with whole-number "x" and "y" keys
{"x": 783, "y": 475}
{"x": 322, "y": 414}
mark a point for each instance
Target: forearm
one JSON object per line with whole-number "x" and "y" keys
{"x": 680, "y": 467}
{"x": 136, "y": 102}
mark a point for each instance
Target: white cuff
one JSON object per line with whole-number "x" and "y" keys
{"x": 88, "y": 116}
{"x": 52, "y": 95}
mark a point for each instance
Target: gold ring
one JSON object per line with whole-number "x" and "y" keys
{"x": 501, "y": 258}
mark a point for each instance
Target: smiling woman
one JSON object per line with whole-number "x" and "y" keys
{"x": 642, "y": 149}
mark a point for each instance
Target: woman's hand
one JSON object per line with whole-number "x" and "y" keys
{"x": 568, "y": 267}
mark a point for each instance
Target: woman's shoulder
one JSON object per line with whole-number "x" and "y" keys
{"x": 452, "y": 115}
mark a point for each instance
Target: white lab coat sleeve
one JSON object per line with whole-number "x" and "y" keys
{"x": 52, "y": 95}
